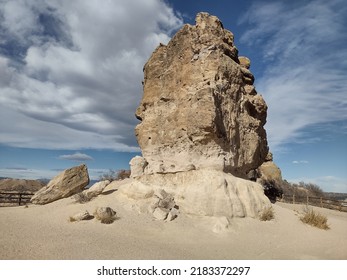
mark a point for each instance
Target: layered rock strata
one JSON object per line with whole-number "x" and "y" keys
{"x": 200, "y": 108}
{"x": 65, "y": 184}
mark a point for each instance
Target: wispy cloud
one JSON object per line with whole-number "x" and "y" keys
{"x": 71, "y": 71}
{"x": 303, "y": 44}
{"x": 300, "y": 161}
{"x": 76, "y": 157}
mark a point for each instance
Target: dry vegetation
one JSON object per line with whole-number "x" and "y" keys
{"x": 275, "y": 189}
{"x": 113, "y": 175}
{"x": 267, "y": 214}
{"x": 314, "y": 219}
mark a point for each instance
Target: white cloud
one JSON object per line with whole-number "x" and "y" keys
{"x": 76, "y": 157}
{"x": 76, "y": 77}
{"x": 303, "y": 45}
{"x": 300, "y": 161}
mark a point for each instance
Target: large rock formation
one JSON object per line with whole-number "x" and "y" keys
{"x": 65, "y": 184}
{"x": 200, "y": 108}
{"x": 202, "y": 124}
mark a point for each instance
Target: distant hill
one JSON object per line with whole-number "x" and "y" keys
{"x": 20, "y": 185}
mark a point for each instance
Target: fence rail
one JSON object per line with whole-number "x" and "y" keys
{"x": 15, "y": 198}
{"x": 316, "y": 201}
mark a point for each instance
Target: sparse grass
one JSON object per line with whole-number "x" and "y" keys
{"x": 314, "y": 219}
{"x": 267, "y": 214}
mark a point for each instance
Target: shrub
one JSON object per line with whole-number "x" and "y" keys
{"x": 123, "y": 174}
{"x": 314, "y": 219}
{"x": 272, "y": 190}
{"x": 312, "y": 189}
{"x": 113, "y": 175}
{"x": 267, "y": 214}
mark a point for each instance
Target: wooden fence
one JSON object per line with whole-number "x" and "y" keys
{"x": 15, "y": 198}
{"x": 316, "y": 201}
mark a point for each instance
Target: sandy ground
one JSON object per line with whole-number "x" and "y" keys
{"x": 45, "y": 232}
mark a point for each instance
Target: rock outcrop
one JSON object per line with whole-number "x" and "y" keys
{"x": 96, "y": 189}
{"x": 201, "y": 130}
{"x": 269, "y": 171}
{"x": 199, "y": 192}
{"x": 65, "y": 184}
{"x": 200, "y": 108}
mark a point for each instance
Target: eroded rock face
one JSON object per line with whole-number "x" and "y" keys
{"x": 200, "y": 192}
{"x": 65, "y": 184}
{"x": 200, "y": 108}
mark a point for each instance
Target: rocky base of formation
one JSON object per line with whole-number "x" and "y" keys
{"x": 199, "y": 192}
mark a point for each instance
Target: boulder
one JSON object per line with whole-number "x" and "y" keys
{"x": 137, "y": 166}
{"x": 200, "y": 108}
{"x": 160, "y": 213}
{"x": 106, "y": 215}
{"x": 96, "y": 189}
{"x": 81, "y": 216}
{"x": 269, "y": 171}
{"x": 174, "y": 212}
{"x": 65, "y": 184}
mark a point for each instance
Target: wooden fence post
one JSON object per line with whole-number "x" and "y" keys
{"x": 307, "y": 200}
{"x": 293, "y": 198}
{"x": 20, "y": 199}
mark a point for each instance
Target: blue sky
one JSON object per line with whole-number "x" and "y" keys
{"x": 71, "y": 72}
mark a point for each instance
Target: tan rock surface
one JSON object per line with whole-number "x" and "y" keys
{"x": 96, "y": 189}
{"x": 202, "y": 193}
{"x": 269, "y": 171}
{"x": 65, "y": 184}
{"x": 200, "y": 108}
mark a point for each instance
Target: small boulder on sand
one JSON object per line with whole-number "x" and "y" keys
{"x": 81, "y": 216}
{"x": 106, "y": 215}
{"x": 96, "y": 189}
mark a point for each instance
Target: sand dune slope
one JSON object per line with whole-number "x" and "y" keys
{"x": 45, "y": 232}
